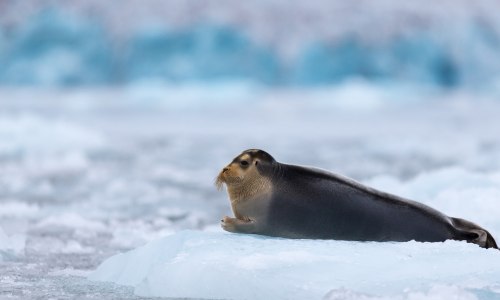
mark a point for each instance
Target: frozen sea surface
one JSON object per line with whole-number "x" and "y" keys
{"x": 88, "y": 174}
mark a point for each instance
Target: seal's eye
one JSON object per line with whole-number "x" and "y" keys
{"x": 244, "y": 163}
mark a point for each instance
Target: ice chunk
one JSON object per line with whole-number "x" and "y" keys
{"x": 11, "y": 246}
{"x": 73, "y": 246}
{"x": 192, "y": 264}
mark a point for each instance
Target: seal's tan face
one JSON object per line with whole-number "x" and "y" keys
{"x": 241, "y": 170}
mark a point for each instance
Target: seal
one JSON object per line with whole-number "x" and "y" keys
{"x": 282, "y": 200}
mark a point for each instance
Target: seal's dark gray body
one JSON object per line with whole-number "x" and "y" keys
{"x": 312, "y": 203}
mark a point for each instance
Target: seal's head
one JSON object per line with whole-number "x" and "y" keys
{"x": 245, "y": 168}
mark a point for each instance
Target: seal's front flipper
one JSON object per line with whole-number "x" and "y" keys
{"x": 473, "y": 233}
{"x": 238, "y": 225}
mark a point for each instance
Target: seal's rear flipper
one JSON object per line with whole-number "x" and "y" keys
{"x": 473, "y": 233}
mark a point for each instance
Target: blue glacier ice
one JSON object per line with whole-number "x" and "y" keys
{"x": 422, "y": 59}
{"x": 55, "y": 49}
{"x": 411, "y": 59}
{"x": 58, "y": 48}
{"x": 476, "y": 50}
{"x": 201, "y": 53}
{"x": 321, "y": 63}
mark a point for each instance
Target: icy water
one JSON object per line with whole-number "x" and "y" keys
{"x": 86, "y": 174}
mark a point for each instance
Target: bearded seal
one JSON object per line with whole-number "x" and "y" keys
{"x": 282, "y": 200}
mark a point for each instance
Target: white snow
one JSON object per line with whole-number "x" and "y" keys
{"x": 219, "y": 265}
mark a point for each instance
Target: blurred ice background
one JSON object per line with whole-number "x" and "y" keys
{"x": 115, "y": 117}
{"x": 279, "y": 43}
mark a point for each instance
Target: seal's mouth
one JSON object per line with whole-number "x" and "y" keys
{"x": 225, "y": 176}
{"x": 220, "y": 180}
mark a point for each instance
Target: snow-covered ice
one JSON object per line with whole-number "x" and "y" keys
{"x": 195, "y": 264}
{"x": 87, "y": 174}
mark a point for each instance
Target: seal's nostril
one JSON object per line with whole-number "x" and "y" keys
{"x": 224, "y": 170}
